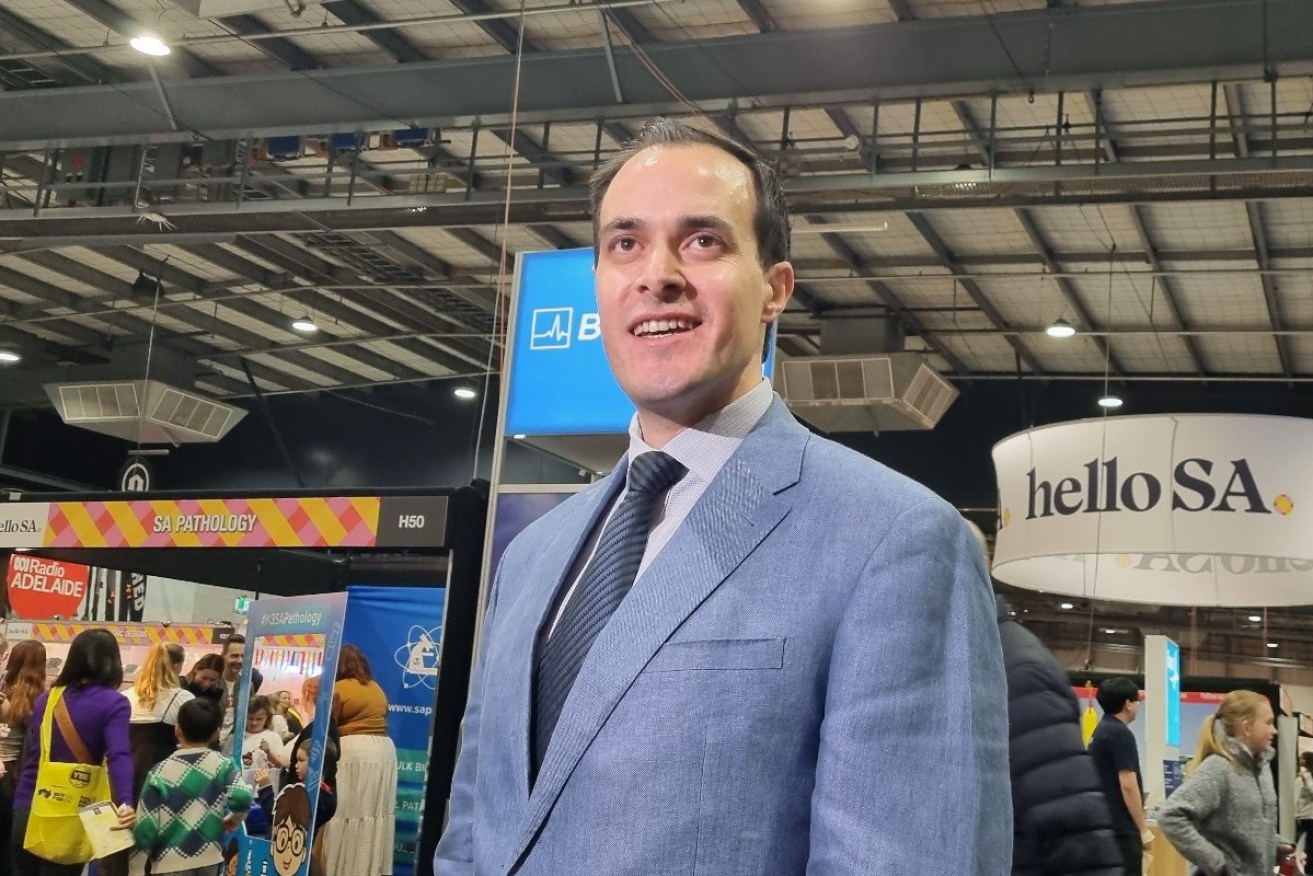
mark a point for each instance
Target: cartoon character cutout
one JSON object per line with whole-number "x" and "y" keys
{"x": 289, "y": 826}
{"x": 231, "y": 858}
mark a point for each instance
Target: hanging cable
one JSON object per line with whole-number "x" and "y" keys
{"x": 498, "y": 334}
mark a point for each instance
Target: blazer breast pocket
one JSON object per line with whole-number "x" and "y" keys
{"x": 719, "y": 654}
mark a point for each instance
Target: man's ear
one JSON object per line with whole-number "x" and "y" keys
{"x": 779, "y": 281}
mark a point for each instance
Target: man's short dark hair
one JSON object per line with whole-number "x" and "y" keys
{"x": 234, "y": 639}
{"x": 771, "y": 222}
{"x": 1114, "y": 694}
{"x": 199, "y": 719}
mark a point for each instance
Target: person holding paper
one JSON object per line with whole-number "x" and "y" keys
{"x": 90, "y": 726}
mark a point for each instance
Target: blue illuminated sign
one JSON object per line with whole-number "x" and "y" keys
{"x": 1173, "y": 693}
{"x": 560, "y": 381}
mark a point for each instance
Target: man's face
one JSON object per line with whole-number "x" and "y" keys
{"x": 681, "y": 293}
{"x": 232, "y": 659}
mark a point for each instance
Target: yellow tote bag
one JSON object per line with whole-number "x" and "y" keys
{"x": 54, "y": 830}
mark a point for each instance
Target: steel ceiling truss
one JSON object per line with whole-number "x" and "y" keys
{"x": 1067, "y": 49}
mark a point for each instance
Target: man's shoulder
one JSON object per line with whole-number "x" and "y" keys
{"x": 832, "y": 466}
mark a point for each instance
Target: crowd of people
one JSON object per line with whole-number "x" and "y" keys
{"x": 161, "y": 751}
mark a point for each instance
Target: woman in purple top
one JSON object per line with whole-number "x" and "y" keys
{"x": 92, "y": 675}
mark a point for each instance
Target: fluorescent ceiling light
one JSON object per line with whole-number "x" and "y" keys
{"x": 1060, "y": 329}
{"x": 9, "y": 356}
{"x": 1255, "y": 618}
{"x": 305, "y": 325}
{"x": 149, "y": 44}
{"x": 1110, "y": 401}
{"x": 1272, "y": 644}
{"x": 1066, "y": 606}
{"x": 464, "y": 392}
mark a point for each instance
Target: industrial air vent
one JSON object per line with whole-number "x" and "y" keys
{"x": 874, "y": 392}
{"x": 145, "y": 411}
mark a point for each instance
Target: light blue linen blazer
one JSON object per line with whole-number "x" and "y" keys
{"x": 806, "y": 680}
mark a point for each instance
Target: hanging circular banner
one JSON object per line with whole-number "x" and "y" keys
{"x": 1182, "y": 509}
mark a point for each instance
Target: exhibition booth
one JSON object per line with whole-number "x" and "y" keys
{"x": 1201, "y": 510}
{"x": 395, "y": 573}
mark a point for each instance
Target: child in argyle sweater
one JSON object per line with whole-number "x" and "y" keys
{"x": 174, "y": 834}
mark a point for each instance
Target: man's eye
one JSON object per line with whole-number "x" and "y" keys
{"x": 706, "y": 241}
{"x": 623, "y": 244}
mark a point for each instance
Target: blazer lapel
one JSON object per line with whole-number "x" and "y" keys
{"x": 529, "y": 612}
{"x": 739, "y": 509}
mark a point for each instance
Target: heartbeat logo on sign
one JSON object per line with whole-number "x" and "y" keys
{"x": 551, "y": 328}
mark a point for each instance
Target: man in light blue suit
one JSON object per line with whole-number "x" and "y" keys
{"x": 790, "y": 663}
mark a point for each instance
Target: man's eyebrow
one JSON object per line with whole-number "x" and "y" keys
{"x": 710, "y": 223}
{"x": 622, "y": 223}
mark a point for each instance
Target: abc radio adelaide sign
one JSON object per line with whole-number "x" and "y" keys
{"x": 1193, "y": 509}
{"x": 41, "y": 588}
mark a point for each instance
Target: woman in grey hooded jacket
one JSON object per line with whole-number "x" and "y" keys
{"x": 1223, "y": 817}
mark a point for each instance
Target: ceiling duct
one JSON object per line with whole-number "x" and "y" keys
{"x": 863, "y": 382}
{"x": 143, "y": 411}
{"x": 225, "y": 8}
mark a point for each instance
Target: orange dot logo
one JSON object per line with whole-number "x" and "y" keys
{"x": 1284, "y": 504}
{"x": 1007, "y": 516}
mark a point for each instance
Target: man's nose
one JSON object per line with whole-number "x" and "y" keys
{"x": 662, "y": 272}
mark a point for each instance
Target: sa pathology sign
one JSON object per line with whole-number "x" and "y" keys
{"x": 41, "y": 588}
{"x": 1184, "y": 509}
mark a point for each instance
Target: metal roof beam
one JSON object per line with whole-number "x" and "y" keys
{"x": 482, "y": 245}
{"x": 294, "y": 259}
{"x": 551, "y": 166}
{"x": 390, "y": 41}
{"x": 501, "y": 30}
{"x": 973, "y": 290}
{"x": 1257, "y": 230}
{"x": 282, "y": 50}
{"x": 760, "y": 16}
{"x": 1167, "y": 287}
{"x": 633, "y": 29}
{"x": 88, "y": 70}
{"x": 1071, "y": 49}
{"x": 1068, "y": 289}
{"x": 1112, "y": 153}
{"x": 1271, "y": 291}
{"x": 260, "y": 312}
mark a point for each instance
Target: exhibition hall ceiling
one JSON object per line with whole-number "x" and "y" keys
{"x": 973, "y": 170}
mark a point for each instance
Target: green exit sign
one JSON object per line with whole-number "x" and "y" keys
{"x": 242, "y": 604}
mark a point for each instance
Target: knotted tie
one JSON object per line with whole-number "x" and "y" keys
{"x": 604, "y": 584}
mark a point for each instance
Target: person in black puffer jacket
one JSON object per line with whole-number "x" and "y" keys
{"x": 1061, "y": 822}
{"x": 1060, "y": 819}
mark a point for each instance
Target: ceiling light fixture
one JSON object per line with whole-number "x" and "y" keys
{"x": 149, "y": 44}
{"x": 1060, "y": 329}
{"x": 1066, "y": 606}
{"x": 9, "y": 357}
{"x": 305, "y": 325}
{"x": 465, "y": 393}
{"x": 1255, "y": 618}
{"x": 1110, "y": 631}
{"x": 1272, "y": 644}
{"x": 1110, "y": 401}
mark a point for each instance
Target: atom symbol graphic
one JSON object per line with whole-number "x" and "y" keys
{"x": 418, "y": 658}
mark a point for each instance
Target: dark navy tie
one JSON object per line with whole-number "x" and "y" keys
{"x": 600, "y": 590}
